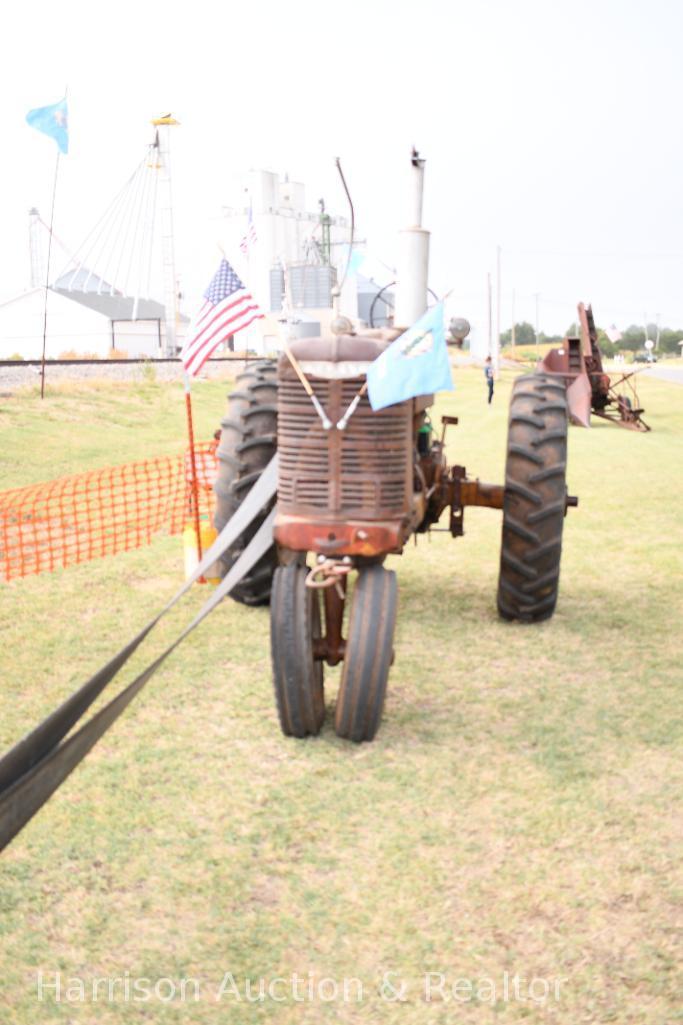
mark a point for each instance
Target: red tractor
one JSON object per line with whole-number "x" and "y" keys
{"x": 351, "y": 491}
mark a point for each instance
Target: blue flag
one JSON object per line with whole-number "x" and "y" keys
{"x": 416, "y": 363}
{"x": 53, "y": 121}
{"x": 356, "y": 259}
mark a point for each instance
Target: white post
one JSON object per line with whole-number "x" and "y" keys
{"x": 496, "y": 346}
{"x": 489, "y": 303}
{"x": 512, "y": 332}
{"x": 164, "y": 125}
{"x": 36, "y": 249}
{"x": 413, "y": 255}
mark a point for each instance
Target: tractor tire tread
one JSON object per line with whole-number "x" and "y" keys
{"x": 526, "y": 453}
{"x": 369, "y": 653}
{"x": 556, "y": 470}
{"x": 237, "y": 475}
{"x": 535, "y": 499}
{"x": 524, "y": 491}
{"x": 297, "y": 678}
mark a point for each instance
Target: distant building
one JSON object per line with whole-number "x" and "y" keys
{"x": 311, "y": 246}
{"x": 83, "y": 318}
{"x": 86, "y": 315}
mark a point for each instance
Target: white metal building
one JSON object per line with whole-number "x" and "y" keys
{"x": 312, "y": 244}
{"x": 81, "y": 323}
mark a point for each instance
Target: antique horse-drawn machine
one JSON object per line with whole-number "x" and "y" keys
{"x": 354, "y": 484}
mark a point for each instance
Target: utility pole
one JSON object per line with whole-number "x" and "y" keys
{"x": 512, "y": 333}
{"x": 498, "y": 292}
{"x": 490, "y": 309}
{"x": 163, "y": 126}
{"x": 537, "y": 296}
{"x": 658, "y": 333}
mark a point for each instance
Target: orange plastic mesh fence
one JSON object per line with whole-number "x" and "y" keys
{"x": 73, "y": 519}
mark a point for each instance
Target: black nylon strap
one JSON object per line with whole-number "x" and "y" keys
{"x": 26, "y": 794}
{"x": 36, "y": 744}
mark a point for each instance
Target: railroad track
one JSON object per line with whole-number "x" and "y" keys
{"x": 19, "y": 363}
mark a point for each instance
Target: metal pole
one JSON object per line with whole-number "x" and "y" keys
{"x": 35, "y": 246}
{"x": 164, "y": 125}
{"x": 193, "y": 467}
{"x": 537, "y": 296}
{"x": 47, "y": 279}
{"x": 512, "y": 335}
{"x": 490, "y": 310}
{"x": 497, "y": 345}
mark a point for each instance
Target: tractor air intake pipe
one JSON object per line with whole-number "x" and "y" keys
{"x": 413, "y": 254}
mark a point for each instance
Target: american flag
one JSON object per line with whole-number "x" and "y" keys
{"x": 250, "y": 238}
{"x": 229, "y": 307}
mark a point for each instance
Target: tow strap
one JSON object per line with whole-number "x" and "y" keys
{"x": 34, "y": 768}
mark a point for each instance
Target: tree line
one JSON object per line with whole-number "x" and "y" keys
{"x": 632, "y": 339}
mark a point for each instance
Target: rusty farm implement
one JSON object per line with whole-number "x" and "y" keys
{"x": 578, "y": 363}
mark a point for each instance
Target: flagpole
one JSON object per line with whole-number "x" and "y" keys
{"x": 193, "y": 467}
{"x": 47, "y": 277}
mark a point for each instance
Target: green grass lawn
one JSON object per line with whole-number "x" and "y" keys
{"x": 520, "y": 811}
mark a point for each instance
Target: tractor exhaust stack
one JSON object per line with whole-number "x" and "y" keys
{"x": 413, "y": 254}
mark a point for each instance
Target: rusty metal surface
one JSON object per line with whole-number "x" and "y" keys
{"x": 361, "y": 492}
{"x": 364, "y": 472}
{"x": 589, "y": 388}
{"x": 333, "y": 642}
{"x": 579, "y": 396}
{"x": 476, "y": 492}
{"x": 450, "y": 487}
{"x": 336, "y": 349}
{"x": 359, "y": 537}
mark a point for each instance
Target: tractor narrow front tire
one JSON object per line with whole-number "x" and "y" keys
{"x": 294, "y": 628}
{"x": 369, "y": 653}
{"x": 248, "y": 443}
{"x": 535, "y": 499}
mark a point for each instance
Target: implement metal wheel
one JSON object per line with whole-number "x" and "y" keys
{"x": 369, "y": 653}
{"x": 535, "y": 499}
{"x": 294, "y": 629}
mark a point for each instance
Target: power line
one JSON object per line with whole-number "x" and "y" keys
{"x": 582, "y": 254}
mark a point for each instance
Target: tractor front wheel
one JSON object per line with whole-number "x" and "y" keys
{"x": 535, "y": 499}
{"x": 297, "y": 674}
{"x": 369, "y": 653}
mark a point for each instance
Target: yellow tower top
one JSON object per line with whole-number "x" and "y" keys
{"x": 165, "y": 119}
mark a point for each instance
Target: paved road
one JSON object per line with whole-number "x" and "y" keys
{"x": 674, "y": 374}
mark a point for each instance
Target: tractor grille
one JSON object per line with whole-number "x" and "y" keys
{"x": 364, "y": 471}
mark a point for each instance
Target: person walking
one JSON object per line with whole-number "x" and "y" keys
{"x": 488, "y": 373}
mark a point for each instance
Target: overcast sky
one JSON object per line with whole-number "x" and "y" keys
{"x": 550, "y": 129}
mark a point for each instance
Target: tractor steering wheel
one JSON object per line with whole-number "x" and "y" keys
{"x": 390, "y": 305}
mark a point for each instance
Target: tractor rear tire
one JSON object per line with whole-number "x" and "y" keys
{"x": 295, "y": 625}
{"x": 369, "y": 654}
{"x": 248, "y": 443}
{"x": 535, "y": 499}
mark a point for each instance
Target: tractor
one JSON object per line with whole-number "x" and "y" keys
{"x": 352, "y": 489}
